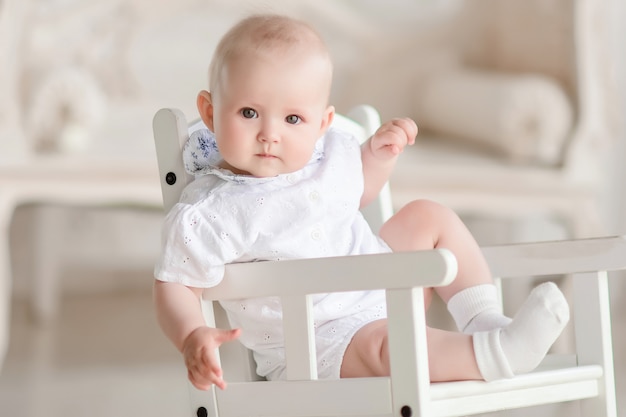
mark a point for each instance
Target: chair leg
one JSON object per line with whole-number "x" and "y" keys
{"x": 594, "y": 340}
{"x": 203, "y": 403}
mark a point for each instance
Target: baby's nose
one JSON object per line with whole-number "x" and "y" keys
{"x": 268, "y": 133}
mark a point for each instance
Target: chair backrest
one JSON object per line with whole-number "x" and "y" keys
{"x": 171, "y": 131}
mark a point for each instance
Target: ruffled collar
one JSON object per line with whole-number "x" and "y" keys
{"x": 202, "y": 157}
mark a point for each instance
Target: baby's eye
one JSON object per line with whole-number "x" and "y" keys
{"x": 248, "y": 113}
{"x": 292, "y": 119}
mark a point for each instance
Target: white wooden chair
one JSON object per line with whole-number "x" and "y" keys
{"x": 586, "y": 376}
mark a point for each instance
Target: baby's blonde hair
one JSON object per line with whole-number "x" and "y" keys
{"x": 265, "y": 33}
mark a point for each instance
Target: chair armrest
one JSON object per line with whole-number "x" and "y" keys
{"x": 300, "y": 277}
{"x": 413, "y": 269}
{"x": 557, "y": 257}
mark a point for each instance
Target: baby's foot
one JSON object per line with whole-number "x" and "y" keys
{"x": 522, "y": 345}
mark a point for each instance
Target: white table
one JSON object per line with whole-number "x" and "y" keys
{"x": 67, "y": 181}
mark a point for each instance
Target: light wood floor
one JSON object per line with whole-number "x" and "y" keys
{"x": 103, "y": 356}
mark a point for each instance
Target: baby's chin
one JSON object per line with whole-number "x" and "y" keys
{"x": 271, "y": 169}
{"x": 271, "y": 172}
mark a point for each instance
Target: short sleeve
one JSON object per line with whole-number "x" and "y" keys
{"x": 194, "y": 249}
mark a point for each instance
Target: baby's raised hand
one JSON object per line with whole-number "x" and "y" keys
{"x": 391, "y": 138}
{"x": 199, "y": 347}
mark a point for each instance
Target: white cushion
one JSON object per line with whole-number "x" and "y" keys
{"x": 523, "y": 118}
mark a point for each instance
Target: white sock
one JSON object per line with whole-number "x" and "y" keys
{"x": 477, "y": 309}
{"x": 522, "y": 345}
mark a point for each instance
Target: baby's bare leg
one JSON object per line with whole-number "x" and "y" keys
{"x": 499, "y": 353}
{"x": 472, "y": 299}
{"x": 451, "y": 355}
{"x": 424, "y": 224}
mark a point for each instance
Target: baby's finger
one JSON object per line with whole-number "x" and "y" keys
{"x": 398, "y": 131}
{"x": 215, "y": 377}
{"x": 228, "y": 335}
{"x": 409, "y": 127}
{"x": 394, "y": 149}
{"x": 220, "y": 383}
{"x": 203, "y": 378}
{"x": 198, "y": 380}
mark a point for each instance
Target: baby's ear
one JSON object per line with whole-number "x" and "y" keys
{"x": 205, "y": 108}
{"x": 329, "y": 115}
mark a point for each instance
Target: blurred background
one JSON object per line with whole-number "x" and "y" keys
{"x": 519, "y": 104}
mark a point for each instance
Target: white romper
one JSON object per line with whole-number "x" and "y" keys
{"x": 223, "y": 218}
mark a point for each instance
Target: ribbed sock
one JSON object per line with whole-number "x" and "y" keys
{"x": 522, "y": 345}
{"x": 477, "y": 309}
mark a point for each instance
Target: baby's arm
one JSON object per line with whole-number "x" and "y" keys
{"x": 380, "y": 152}
{"x": 180, "y": 316}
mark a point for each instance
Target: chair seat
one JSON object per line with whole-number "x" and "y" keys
{"x": 542, "y": 386}
{"x": 372, "y": 396}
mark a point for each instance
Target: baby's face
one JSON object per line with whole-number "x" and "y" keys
{"x": 269, "y": 111}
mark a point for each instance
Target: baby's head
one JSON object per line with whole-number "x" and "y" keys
{"x": 270, "y": 81}
{"x": 270, "y": 36}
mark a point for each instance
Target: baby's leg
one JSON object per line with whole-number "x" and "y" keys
{"x": 472, "y": 298}
{"x": 424, "y": 224}
{"x": 451, "y": 355}
{"x": 496, "y": 354}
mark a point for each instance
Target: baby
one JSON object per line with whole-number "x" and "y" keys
{"x": 275, "y": 181}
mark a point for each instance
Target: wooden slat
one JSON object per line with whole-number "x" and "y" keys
{"x": 515, "y": 398}
{"x": 343, "y": 397}
{"x": 300, "y": 354}
{"x": 537, "y": 378}
{"x": 170, "y": 133}
{"x": 372, "y": 396}
{"x": 335, "y": 274}
{"x": 408, "y": 351}
{"x": 594, "y": 345}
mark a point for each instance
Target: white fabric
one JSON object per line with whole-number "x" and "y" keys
{"x": 314, "y": 212}
{"x": 492, "y": 362}
{"x": 520, "y": 347}
{"x": 525, "y": 118}
{"x": 477, "y": 309}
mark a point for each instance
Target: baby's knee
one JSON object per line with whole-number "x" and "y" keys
{"x": 375, "y": 350}
{"x": 426, "y": 209}
{"x": 417, "y": 218}
{"x": 368, "y": 352}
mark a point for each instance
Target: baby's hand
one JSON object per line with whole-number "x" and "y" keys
{"x": 203, "y": 368}
{"x": 391, "y": 138}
